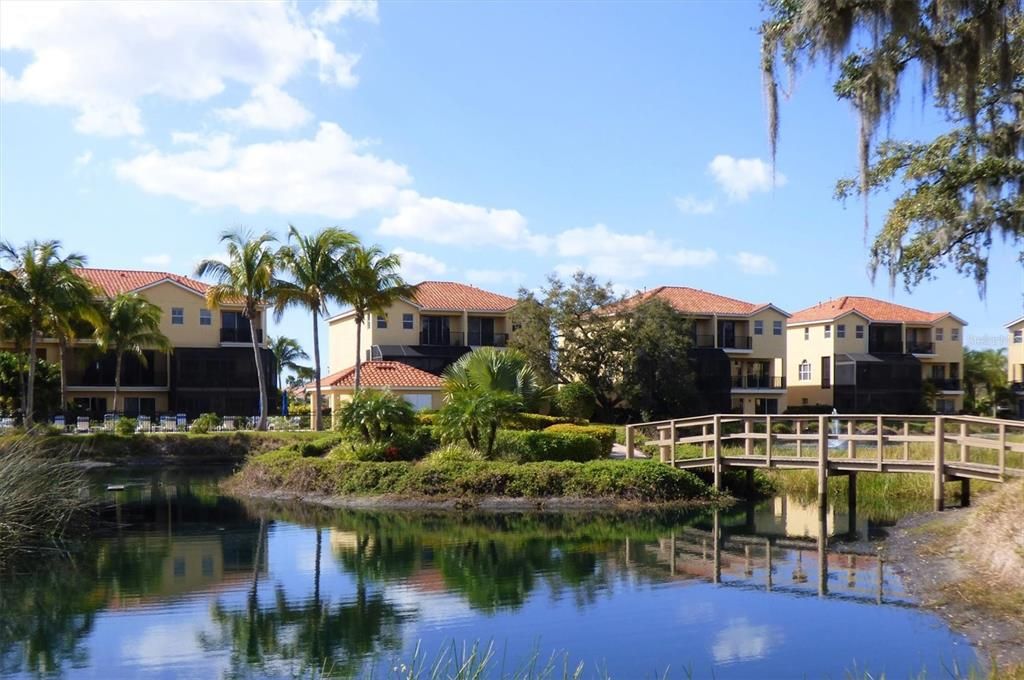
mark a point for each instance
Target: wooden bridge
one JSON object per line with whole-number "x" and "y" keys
{"x": 950, "y": 448}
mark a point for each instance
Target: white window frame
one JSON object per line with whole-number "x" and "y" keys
{"x": 859, "y": 331}
{"x": 954, "y": 334}
{"x": 828, "y": 330}
{"x": 776, "y": 327}
{"x": 805, "y": 371}
{"x": 841, "y": 330}
{"x": 1018, "y": 336}
{"x": 938, "y": 334}
{"x": 382, "y": 321}
{"x": 807, "y": 333}
{"x": 177, "y": 316}
{"x": 205, "y": 317}
{"x": 408, "y": 322}
{"x": 758, "y": 327}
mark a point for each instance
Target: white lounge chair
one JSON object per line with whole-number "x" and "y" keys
{"x": 7, "y": 424}
{"x": 181, "y": 420}
{"x": 142, "y": 424}
{"x": 58, "y": 421}
{"x": 228, "y": 425}
{"x": 168, "y": 424}
{"x": 82, "y": 425}
{"x": 109, "y": 420}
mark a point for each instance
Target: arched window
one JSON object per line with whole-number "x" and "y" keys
{"x": 805, "y": 370}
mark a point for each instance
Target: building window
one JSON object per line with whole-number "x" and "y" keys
{"x": 807, "y": 333}
{"x": 828, "y": 330}
{"x": 805, "y": 370}
{"x": 205, "y": 317}
{"x": 938, "y": 335}
{"x": 805, "y": 401}
{"x": 177, "y": 316}
{"x": 826, "y": 371}
{"x": 1018, "y": 337}
{"x": 859, "y": 330}
{"x": 407, "y": 322}
{"x": 841, "y": 330}
{"x": 776, "y": 328}
{"x": 382, "y": 321}
{"x": 954, "y": 334}
{"x": 758, "y": 327}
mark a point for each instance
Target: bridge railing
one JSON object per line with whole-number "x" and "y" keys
{"x": 964, "y": 446}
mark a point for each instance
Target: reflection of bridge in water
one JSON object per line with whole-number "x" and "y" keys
{"x": 733, "y": 556}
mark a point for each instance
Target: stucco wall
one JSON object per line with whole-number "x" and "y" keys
{"x": 1015, "y": 355}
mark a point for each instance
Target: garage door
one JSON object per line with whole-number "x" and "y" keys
{"x": 419, "y": 401}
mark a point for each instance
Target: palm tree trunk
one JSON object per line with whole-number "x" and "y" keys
{"x": 359, "y": 351}
{"x": 62, "y": 348}
{"x": 30, "y": 388}
{"x": 117, "y": 380}
{"x": 315, "y": 411}
{"x": 260, "y": 377}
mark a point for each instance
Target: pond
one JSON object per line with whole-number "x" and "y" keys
{"x": 184, "y": 582}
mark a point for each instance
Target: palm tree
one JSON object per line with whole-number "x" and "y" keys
{"x": 314, "y": 263}
{"x": 248, "y": 276}
{"x": 74, "y": 304}
{"x": 370, "y": 284}
{"x": 286, "y": 352}
{"x": 38, "y": 282}
{"x": 984, "y": 369}
{"x": 129, "y": 324}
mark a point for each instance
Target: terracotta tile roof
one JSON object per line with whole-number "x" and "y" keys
{"x": 870, "y": 308}
{"x": 380, "y": 374}
{"x": 114, "y": 281}
{"x": 451, "y": 295}
{"x": 695, "y": 301}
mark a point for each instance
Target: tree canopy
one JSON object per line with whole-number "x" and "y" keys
{"x": 961, "y": 190}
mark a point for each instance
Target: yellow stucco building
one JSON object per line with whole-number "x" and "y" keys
{"x": 1015, "y": 363}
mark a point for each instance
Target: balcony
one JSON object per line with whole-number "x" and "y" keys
{"x": 759, "y": 382}
{"x": 885, "y": 347}
{"x": 946, "y": 384}
{"x": 441, "y": 337}
{"x": 1017, "y": 387}
{"x": 479, "y": 339}
{"x": 735, "y": 342}
{"x": 240, "y": 335}
{"x": 920, "y": 347}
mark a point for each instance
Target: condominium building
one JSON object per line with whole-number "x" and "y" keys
{"x": 1015, "y": 364}
{"x": 740, "y": 346}
{"x": 428, "y": 331}
{"x": 859, "y": 354}
{"x": 210, "y": 368}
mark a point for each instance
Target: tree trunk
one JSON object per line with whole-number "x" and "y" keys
{"x": 314, "y": 413}
{"x": 117, "y": 380}
{"x": 359, "y": 351}
{"x": 62, "y": 348}
{"x": 29, "y": 405}
{"x": 260, "y": 377}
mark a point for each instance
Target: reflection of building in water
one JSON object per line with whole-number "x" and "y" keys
{"x": 788, "y": 516}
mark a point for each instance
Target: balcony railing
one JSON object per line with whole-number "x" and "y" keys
{"x": 735, "y": 342}
{"x": 478, "y": 339}
{"x": 759, "y": 382}
{"x": 945, "y": 383}
{"x": 920, "y": 347}
{"x": 1017, "y": 386}
{"x": 443, "y": 338}
{"x": 240, "y": 335}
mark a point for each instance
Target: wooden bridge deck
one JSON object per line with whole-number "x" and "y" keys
{"x": 950, "y": 448}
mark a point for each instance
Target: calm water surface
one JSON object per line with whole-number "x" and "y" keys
{"x": 187, "y": 583}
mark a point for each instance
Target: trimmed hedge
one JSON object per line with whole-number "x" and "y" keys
{"x": 527, "y": 446}
{"x": 643, "y": 481}
{"x": 602, "y": 433}
{"x": 533, "y": 421}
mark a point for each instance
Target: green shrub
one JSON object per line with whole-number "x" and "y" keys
{"x": 602, "y": 433}
{"x": 376, "y": 415}
{"x": 125, "y": 426}
{"x": 205, "y": 423}
{"x": 452, "y": 453}
{"x": 365, "y": 451}
{"x": 533, "y": 421}
{"x": 524, "y": 446}
{"x": 405, "y": 446}
{"x": 426, "y": 417}
{"x": 576, "y": 400}
{"x": 319, "y": 446}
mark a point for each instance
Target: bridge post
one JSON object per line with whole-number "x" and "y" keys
{"x": 965, "y": 492}
{"x": 717, "y": 451}
{"x": 768, "y": 441}
{"x": 851, "y": 445}
{"x": 963, "y": 444}
{"x": 1002, "y": 451}
{"x": 629, "y": 441}
{"x": 663, "y": 445}
{"x": 822, "y": 462}
{"x": 748, "y": 443}
{"x": 940, "y": 443}
{"x": 906, "y": 444}
{"x": 880, "y": 441}
{"x": 673, "y": 436}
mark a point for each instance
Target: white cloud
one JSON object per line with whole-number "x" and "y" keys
{"x": 327, "y": 175}
{"x": 417, "y": 267}
{"x": 334, "y": 11}
{"x": 752, "y": 263}
{"x": 605, "y": 253}
{"x": 742, "y": 641}
{"x": 691, "y": 205}
{"x": 83, "y": 159}
{"x": 270, "y": 108}
{"x": 439, "y": 220}
{"x": 740, "y": 177}
{"x": 100, "y": 58}
{"x": 161, "y": 260}
{"x": 493, "y": 277}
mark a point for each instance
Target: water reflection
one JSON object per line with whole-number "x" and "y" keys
{"x": 184, "y": 581}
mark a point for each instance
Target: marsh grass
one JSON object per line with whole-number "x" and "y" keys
{"x": 40, "y": 495}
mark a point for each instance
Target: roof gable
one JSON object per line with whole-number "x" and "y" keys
{"x": 449, "y": 295}
{"x": 381, "y": 374}
{"x": 696, "y": 301}
{"x": 872, "y": 309}
{"x": 116, "y": 281}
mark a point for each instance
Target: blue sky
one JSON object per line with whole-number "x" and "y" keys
{"x": 491, "y": 143}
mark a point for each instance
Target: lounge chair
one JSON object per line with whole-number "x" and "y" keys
{"x": 58, "y": 421}
{"x": 82, "y": 425}
{"x": 181, "y": 421}
{"x": 228, "y": 425}
{"x": 143, "y": 424}
{"x": 168, "y": 424}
